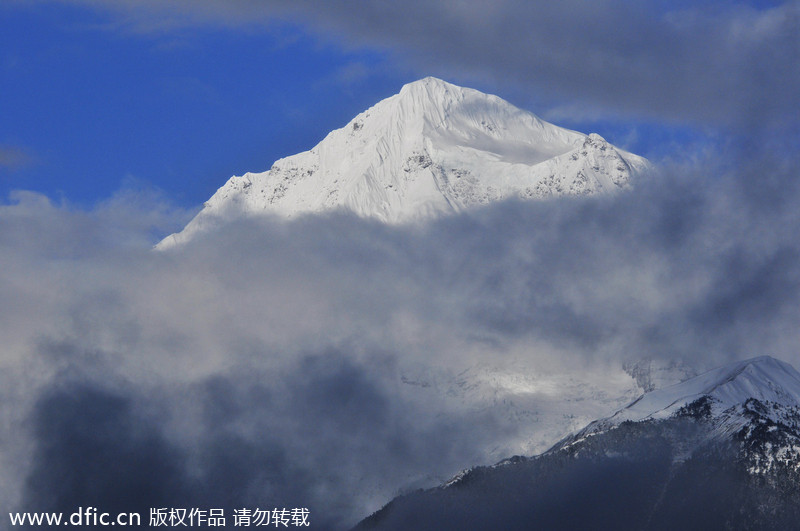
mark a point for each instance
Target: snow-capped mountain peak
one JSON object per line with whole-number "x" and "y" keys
{"x": 433, "y": 148}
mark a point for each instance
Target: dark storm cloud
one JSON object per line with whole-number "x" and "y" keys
{"x": 701, "y": 63}
{"x": 93, "y": 450}
{"x": 325, "y": 433}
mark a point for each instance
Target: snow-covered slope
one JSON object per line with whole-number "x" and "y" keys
{"x": 433, "y": 148}
{"x": 723, "y": 390}
{"x": 754, "y": 404}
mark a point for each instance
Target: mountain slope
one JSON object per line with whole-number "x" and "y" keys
{"x": 433, "y": 148}
{"x": 724, "y": 392}
{"x": 719, "y": 451}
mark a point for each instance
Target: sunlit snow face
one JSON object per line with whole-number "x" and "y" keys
{"x": 433, "y": 149}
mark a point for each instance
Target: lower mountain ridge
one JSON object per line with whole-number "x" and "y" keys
{"x": 718, "y": 451}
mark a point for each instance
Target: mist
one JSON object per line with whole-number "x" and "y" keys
{"x": 262, "y": 364}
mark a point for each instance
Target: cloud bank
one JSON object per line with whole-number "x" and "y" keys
{"x": 262, "y": 364}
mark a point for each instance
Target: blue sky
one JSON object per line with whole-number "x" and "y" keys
{"x": 90, "y": 110}
{"x": 99, "y": 96}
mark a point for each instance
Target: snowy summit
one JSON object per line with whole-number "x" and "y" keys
{"x": 433, "y": 148}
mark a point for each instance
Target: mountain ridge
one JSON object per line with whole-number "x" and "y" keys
{"x": 431, "y": 149}
{"x": 762, "y": 378}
